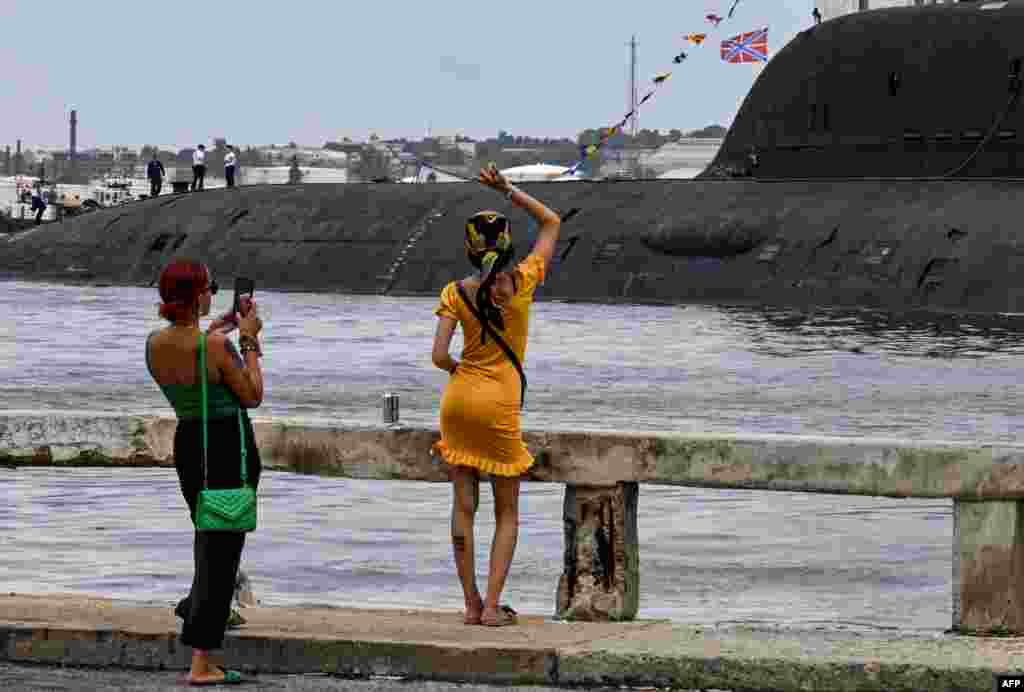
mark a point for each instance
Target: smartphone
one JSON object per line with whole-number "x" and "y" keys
{"x": 243, "y": 286}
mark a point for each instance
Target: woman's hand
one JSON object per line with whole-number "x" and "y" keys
{"x": 492, "y": 178}
{"x": 249, "y": 322}
{"x": 225, "y": 324}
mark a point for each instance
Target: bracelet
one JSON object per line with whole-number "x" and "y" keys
{"x": 248, "y": 343}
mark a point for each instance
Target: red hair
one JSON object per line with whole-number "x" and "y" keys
{"x": 182, "y": 281}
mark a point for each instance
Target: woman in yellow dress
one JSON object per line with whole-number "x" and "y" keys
{"x": 481, "y": 402}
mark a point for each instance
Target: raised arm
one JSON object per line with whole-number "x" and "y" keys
{"x": 242, "y": 373}
{"x": 547, "y": 221}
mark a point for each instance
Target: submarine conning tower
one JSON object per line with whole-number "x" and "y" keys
{"x": 924, "y": 91}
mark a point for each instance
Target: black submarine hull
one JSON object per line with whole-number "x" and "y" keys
{"x": 893, "y": 244}
{"x": 929, "y": 91}
{"x": 878, "y": 161}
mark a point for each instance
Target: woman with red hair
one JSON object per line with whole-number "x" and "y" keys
{"x": 234, "y": 384}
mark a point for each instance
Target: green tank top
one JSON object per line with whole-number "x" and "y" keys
{"x": 187, "y": 399}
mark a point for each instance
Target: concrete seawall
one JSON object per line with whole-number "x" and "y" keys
{"x": 90, "y": 631}
{"x": 601, "y": 473}
{"x": 893, "y": 468}
{"x": 897, "y": 244}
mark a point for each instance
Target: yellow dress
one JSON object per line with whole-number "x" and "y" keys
{"x": 480, "y": 405}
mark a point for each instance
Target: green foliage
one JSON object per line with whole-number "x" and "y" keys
{"x": 647, "y": 137}
{"x": 716, "y": 131}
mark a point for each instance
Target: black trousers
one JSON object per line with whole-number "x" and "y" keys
{"x": 198, "y": 174}
{"x": 229, "y": 173}
{"x": 217, "y": 553}
{"x": 155, "y": 184}
{"x": 39, "y": 214}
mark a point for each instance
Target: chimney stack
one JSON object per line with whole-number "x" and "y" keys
{"x": 17, "y": 158}
{"x": 74, "y": 140}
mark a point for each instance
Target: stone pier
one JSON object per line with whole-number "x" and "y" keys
{"x": 601, "y": 472}
{"x": 601, "y": 577}
{"x": 988, "y": 567}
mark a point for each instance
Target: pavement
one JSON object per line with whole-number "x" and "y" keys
{"x": 77, "y": 630}
{"x": 48, "y": 678}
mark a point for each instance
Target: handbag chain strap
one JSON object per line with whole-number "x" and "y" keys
{"x": 241, "y": 426}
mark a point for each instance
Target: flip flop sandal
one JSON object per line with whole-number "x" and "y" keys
{"x": 235, "y": 620}
{"x": 466, "y": 620}
{"x": 506, "y": 616}
{"x": 231, "y": 677}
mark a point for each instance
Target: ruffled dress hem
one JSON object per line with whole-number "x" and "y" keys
{"x": 456, "y": 457}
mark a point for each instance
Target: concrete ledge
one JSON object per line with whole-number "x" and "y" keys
{"x": 89, "y": 631}
{"x": 879, "y": 467}
{"x": 689, "y": 657}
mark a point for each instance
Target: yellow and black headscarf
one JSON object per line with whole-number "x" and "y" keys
{"x": 488, "y": 237}
{"x": 489, "y": 248}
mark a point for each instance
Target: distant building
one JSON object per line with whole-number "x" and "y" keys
{"x": 306, "y": 156}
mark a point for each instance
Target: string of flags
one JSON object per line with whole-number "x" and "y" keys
{"x": 748, "y": 47}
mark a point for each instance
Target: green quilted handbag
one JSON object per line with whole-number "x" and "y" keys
{"x": 230, "y": 509}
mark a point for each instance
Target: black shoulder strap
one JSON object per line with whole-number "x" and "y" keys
{"x": 498, "y": 340}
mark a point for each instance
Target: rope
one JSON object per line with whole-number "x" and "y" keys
{"x": 992, "y": 130}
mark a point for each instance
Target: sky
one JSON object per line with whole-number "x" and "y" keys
{"x": 263, "y": 72}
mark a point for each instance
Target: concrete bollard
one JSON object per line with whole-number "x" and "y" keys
{"x": 601, "y": 576}
{"x": 988, "y": 567}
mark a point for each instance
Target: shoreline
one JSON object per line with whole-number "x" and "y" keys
{"x": 910, "y": 313}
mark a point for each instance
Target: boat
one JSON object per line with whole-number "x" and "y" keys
{"x": 929, "y": 91}
{"x": 877, "y": 161}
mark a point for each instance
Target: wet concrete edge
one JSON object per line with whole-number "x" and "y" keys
{"x": 586, "y": 665}
{"x": 252, "y": 653}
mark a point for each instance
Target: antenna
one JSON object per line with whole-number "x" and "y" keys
{"x": 633, "y": 101}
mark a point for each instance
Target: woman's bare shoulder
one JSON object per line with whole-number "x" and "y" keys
{"x": 161, "y": 341}
{"x": 218, "y": 342}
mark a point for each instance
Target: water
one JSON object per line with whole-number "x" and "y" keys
{"x": 330, "y": 358}
{"x": 706, "y": 555}
{"x": 711, "y": 556}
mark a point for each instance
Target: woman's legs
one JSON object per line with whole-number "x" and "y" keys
{"x": 465, "y": 500}
{"x": 506, "y": 534}
{"x": 217, "y": 555}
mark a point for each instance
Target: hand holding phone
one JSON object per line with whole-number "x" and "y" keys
{"x": 244, "y": 289}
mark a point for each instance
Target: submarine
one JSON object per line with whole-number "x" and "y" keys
{"x": 876, "y": 162}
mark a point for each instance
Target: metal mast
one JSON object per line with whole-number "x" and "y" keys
{"x": 633, "y": 100}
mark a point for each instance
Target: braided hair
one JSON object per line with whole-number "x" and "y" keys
{"x": 489, "y": 249}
